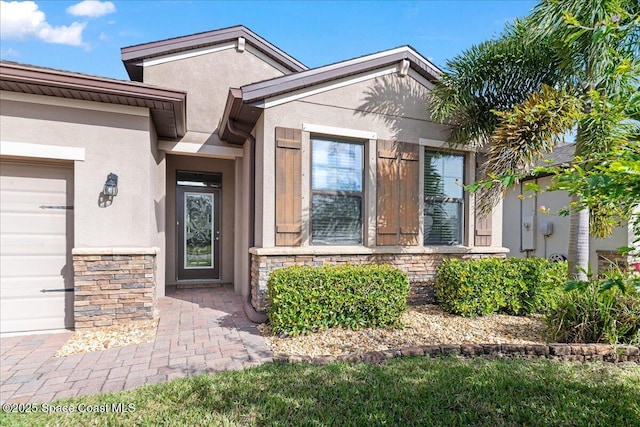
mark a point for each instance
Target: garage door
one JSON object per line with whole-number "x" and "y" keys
{"x": 36, "y": 229}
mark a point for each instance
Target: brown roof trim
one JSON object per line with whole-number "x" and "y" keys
{"x": 133, "y": 55}
{"x": 168, "y": 107}
{"x": 268, "y": 88}
{"x": 244, "y": 116}
{"x": 243, "y": 105}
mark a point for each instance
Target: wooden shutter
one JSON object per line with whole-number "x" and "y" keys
{"x": 397, "y": 194}
{"x": 483, "y": 222}
{"x": 288, "y": 187}
{"x": 388, "y": 194}
{"x": 409, "y": 194}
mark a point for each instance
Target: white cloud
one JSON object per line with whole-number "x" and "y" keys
{"x": 71, "y": 35}
{"x": 19, "y": 20}
{"x": 9, "y": 53}
{"x": 91, "y": 8}
{"x": 24, "y": 20}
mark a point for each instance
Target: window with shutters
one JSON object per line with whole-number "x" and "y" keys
{"x": 337, "y": 171}
{"x": 443, "y": 198}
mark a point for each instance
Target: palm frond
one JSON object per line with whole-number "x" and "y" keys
{"x": 494, "y": 75}
{"x": 522, "y": 137}
{"x": 595, "y": 41}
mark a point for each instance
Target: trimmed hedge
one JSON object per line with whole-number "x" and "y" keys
{"x": 517, "y": 286}
{"x": 305, "y": 299}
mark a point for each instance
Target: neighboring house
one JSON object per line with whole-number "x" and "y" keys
{"x": 232, "y": 159}
{"x": 529, "y": 231}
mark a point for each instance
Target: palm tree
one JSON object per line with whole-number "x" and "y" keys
{"x": 595, "y": 41}
{"x": 587, "y": 52}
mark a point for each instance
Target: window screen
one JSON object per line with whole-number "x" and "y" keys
{"x": 336, "y": 192}
{"x": 443, "y": 198}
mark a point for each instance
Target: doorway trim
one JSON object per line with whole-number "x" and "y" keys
{"x": 198, "y": 216}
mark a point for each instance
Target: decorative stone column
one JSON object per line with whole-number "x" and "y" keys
{"x": 114, "y": 285}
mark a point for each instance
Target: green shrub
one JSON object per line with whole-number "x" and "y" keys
{"x": 596, "y": 313}
{"x": 513, "y": 285}
{"x": 544, "y": 284}
{"x": 305, "y": 299}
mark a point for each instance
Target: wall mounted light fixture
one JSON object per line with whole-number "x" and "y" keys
{"x": 111, "y": 186}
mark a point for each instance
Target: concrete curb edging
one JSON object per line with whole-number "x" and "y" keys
{"x": 564, "y": 352}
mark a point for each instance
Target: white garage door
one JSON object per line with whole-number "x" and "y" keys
{"x": 36, "y": 236}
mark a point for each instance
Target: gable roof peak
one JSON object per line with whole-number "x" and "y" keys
{"x": 287, "y": 83}
{"x": 133, "y": 56}
{"x": 245, "y": 104}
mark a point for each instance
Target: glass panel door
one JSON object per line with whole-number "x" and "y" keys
{"x": 198, "y": 219}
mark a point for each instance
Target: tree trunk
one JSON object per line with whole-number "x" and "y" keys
{"x": 578, "y": 243}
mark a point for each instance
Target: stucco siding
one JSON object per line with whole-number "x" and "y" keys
{"x": 516, "y": 211}
{"x": 511, "y": 222}
{"x": 207, "y": 79}
{"x": 158, "y": 167}
{"x": 115, "y": 140}
{"x": 265, "y": 182}
{"x": 243, "y": 260}
{"x": 390, "y": 94}
{"x": 394, "y": 107}
{"x": 241, "y": 226}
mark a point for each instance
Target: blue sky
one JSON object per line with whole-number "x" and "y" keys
{"x": 86, "y": 36}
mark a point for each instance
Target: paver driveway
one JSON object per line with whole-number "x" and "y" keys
{"x": 200, "y": 330}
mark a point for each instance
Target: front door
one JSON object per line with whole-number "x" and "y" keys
{"x": 198, "y": 223}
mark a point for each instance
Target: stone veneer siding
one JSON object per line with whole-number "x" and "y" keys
{"x": 114, "y": 286}
{"x": 420, "y": 267}
{"x": 607, "y": 259}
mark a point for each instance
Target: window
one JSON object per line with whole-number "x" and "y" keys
{"x": 443, "y": 198}
{"x": 336, "y": 192}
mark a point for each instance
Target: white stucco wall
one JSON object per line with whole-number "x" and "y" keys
{"x": 558, "y": 241}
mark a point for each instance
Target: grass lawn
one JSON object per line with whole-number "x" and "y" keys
{"x": 407, "y": 391}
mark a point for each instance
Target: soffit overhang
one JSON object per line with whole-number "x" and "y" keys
{"x": 167, "y": 107}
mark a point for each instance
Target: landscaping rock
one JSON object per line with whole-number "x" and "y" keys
{"x": 423, "y": 325}
{"x": 98, "y": 339}
{"x": 429, "y": 331}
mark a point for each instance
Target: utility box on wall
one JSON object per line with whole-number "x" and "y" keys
{"x": 528, "y": 234}
{"x": 546, "y": 228}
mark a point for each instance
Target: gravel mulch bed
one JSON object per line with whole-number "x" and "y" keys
{"x": 98, "y": 339}
{"x": 423, "y": 325}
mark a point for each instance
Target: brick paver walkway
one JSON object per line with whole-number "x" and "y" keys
{"x": 200, "y": 330}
